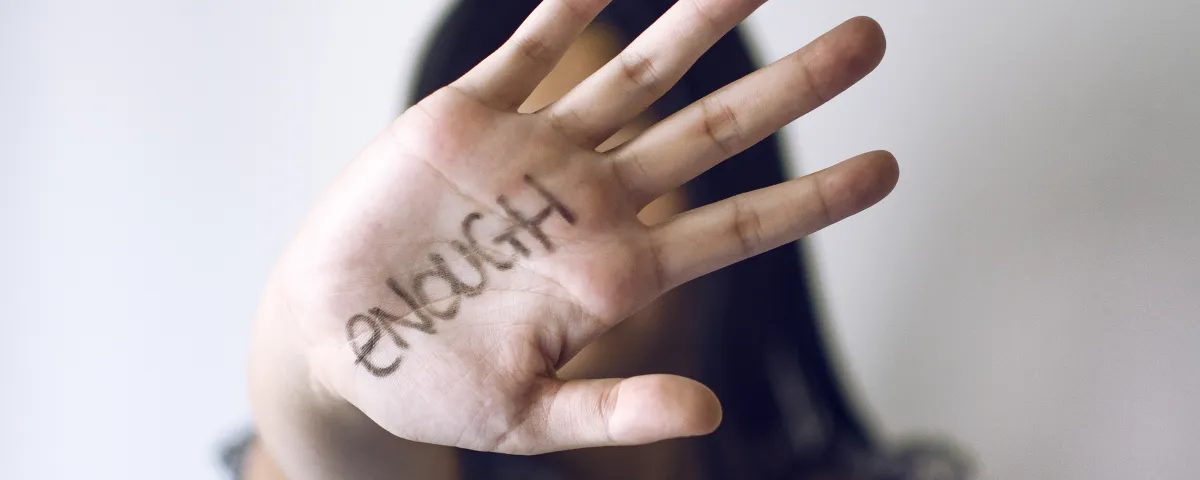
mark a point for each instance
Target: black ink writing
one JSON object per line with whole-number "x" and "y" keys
{"x": 362, "y": 351}
{"x": 426, "y": 323}
{"x": 533, "y": 226}
{"x": 378, "y": 322}
{"x": 473, "y": 245}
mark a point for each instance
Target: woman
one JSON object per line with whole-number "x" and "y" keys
{"x": 443, "y": 292}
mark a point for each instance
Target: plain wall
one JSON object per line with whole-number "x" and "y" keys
{"x": 1030, "y": 289}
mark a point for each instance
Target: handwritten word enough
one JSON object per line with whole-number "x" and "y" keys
{"x": 379, "y": 322}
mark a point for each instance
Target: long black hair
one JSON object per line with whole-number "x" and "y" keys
{"x": 785, "y": 413}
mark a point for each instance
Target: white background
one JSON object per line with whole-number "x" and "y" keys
{"x": 1030, "y": 289}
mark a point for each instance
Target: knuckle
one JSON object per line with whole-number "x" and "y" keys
{"x": 822, "y": 199}
{"x": 605, "y": 406}
{"x": 747, "y": 228}
{"x": 535, "y": 49}
{"x": 579, "y": 10}
{"x": 705, "y": 15}
{"x": 722, "y": 126}
{"x": 641, "y": 72}
{"x": 817, "y": 86}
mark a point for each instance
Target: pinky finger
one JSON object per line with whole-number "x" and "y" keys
{"x": 714, "y": 236}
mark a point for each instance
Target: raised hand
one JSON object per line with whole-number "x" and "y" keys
{"x": 471, "y": 250}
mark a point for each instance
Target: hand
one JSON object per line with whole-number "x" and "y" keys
{"x": 471, "y": 250}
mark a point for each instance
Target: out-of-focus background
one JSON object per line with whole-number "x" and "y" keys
{"x": 1031, "y": 289}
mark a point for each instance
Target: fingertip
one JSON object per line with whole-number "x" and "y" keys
{"x": 868, "y": 44}
{"x": 711, "y": 417}
{"x": 705, "y": 408}
{"x": 845, "y": 55}
{"x": 878, "y": 177}
{"x": 651, "y": 408}
{"x": 870, "y": 31}
{"x": 858, "y": 183}
{"x": 886, "y": 168}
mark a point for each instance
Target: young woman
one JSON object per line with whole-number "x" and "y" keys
{"x": 529, "y": 261}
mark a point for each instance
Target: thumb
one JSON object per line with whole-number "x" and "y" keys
{"x": 631, "y": 411}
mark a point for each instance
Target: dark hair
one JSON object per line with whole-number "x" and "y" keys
{"x": 769, "y": 333}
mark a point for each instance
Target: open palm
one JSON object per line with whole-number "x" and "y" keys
{"x": 471, "y": 250}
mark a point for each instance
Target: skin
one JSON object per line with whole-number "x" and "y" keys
{"x": 491, "y": 378}
{"x": 662, "y": 337}
{"x": 628, "y": 348}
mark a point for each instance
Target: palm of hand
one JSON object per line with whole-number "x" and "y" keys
{"x": 471, "y": 250}
{"x": 523, "y": 248}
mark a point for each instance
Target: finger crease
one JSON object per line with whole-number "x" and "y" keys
{"x": 556, "y": 123}
{"x": 748, "y": 226}
{"x": 619, "y": 164}
{"x": 640, "y": 70}
{"x": 535, "y": 49}
{"x": 827, "y": 218}
{"x": 660, "y": 278}
{"x": 722, "y": 126}
{"x": 606, "y": 405}
{"x": 577, "y": 12}
{"x": 810, "y": 80}
{"x": 705, "y": 16}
